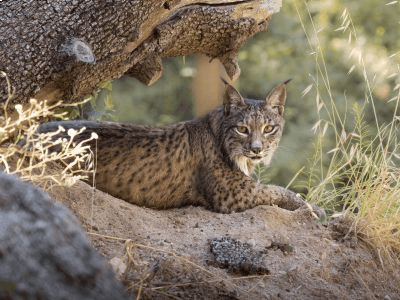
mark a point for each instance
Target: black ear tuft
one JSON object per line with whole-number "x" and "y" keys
{"x": 287, "y": 81}
{"x": 276, "y": 99}
{"x": 232, "y": 98}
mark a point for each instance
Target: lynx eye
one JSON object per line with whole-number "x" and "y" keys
{"x": 268, "y": 128}
{"x": 242, "y": 130}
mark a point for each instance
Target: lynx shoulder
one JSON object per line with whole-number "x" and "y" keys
{"x": 206, "y": 161}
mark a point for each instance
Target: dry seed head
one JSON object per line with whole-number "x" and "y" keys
{"x": 29, "y": 160}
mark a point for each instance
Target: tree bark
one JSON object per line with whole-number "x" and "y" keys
{"x": 61, "y": 49}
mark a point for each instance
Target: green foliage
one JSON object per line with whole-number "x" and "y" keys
{"x": 168, "y": 101}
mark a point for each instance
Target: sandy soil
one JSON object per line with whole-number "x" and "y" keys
{"x": 262, "y": 253}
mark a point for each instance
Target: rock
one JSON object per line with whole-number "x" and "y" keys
{"x": 118, "y": 265}
{"x": 237, "y": 257}
{"x": 44, "y": 253}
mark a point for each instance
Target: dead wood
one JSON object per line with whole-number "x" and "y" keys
{"x": 62, "y": 49}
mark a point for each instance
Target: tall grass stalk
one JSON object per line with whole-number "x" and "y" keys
{"x": 359, "y": 175}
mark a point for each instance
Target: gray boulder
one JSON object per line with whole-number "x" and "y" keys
{"x": 44, "y": 253}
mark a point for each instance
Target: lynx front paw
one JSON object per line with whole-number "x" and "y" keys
{"x": 297, "y": 202}
{"x": 316, "y": 211}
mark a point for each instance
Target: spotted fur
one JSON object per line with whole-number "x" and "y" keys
{"x": 206, "y": 161}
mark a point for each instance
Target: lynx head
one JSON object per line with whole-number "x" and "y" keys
{"x": 252, "y": 128}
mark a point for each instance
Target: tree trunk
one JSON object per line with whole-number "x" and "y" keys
{"x": 207, "y": 89}
{"x": 61, "y": 49}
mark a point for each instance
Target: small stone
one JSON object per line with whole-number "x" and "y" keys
{"x": 252, "y": 242}
{"x": 118, "y": 265}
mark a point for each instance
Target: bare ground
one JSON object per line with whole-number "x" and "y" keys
{"x": 262, "y": 253}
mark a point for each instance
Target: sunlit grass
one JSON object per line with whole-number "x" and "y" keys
{"x": 27, "y": 154}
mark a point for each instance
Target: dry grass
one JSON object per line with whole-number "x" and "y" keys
{"x": 175, "y": 276}
{"x": 362, "y": 179}
{"x": 27, "y": 154}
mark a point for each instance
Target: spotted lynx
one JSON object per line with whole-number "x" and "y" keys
{"x": 206, "y": 161}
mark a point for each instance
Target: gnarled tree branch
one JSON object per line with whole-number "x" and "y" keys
{"x": 62, "y": 49}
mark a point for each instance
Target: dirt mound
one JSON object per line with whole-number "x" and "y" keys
{"x": 262, "y": 253}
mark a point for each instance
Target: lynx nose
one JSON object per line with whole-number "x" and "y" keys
{"x": 256, "y": 147}
{"x": 256, "y": 150}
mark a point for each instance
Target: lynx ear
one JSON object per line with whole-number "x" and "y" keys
{"x": 232, "y": 98}
{"x": 276, "y": 98}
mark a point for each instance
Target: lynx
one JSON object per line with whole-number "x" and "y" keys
{"x": 205, "y": 161}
